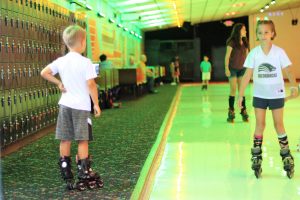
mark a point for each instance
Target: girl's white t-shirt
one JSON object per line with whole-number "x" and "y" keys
{"x": 268, "y": 81}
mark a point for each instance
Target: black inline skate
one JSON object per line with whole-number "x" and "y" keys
{"x": 231, "y": 116}
{"x": 66, "y": 171}
{"x": 245, "y": 115}
{"x": 256, "y": 161}
{"x": 288, "y": 162}
{"x": 87, "y": 178}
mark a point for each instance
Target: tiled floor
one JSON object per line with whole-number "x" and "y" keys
{"x": 207, "y": 158}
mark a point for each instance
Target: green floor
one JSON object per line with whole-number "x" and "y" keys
{"x": 207, "y": 158}
{"x": 123, "y": 139}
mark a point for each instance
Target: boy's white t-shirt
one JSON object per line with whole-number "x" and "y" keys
{"x": 74, "y": 71}
{"x": 267, "y": 71}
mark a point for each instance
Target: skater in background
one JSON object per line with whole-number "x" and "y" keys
{"x": 205, "y": 67}
{"x": 74, "y": 121}
{"x": 175, "y": 72}
{"x": 265, "y": 64}
{"x": 236, "y": 52}
{"x": 104, "y": 63}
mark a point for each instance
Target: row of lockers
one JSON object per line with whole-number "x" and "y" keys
{"x": 18, "y": 126}
{"x": 42, "y": 9}
{"x": 19, "y": 75}
{"x": 22, "y": 26}
{"x": 19, "y": 101}
{"x": 18, "y": 50}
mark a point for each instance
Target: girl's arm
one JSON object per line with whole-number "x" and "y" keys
{"x": 294, "y": 89}
{"x": 227, "y": 56}
{"x": 245, "y": 81}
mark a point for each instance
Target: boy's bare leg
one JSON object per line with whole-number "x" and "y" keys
{"x": 65, "y": 148}
{"x": 83, "y": 149}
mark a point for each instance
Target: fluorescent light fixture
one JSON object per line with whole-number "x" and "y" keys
{"x": 136, "y": 35}
{"x": 131, "y": 2}
{"x": 153, "y": 12}
{"x": 111, "y": 20}
{"x": 140, "y": 37}
{"x": 89, "y": 7}
{"x": 143, "y": 7}
{"x": 261, "y": 10}
{"x": 267, "y": 6}
{"x": 100, "y": 14}
{"x": 126, "y": 29}
{"x": 273, "y": 2}
{"x": 120, "y": 25}
{"x": 132, "y": 32}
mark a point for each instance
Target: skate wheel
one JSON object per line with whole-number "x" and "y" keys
{"x": 258, "y": 173}
{"x": 70, "y": 186}
{"x": 80, "y": 186}
{"x": 100, "y": 184}
{"x": 92, "y": 185}
{"x": 290, "y": 174}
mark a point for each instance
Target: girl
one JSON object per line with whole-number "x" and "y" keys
{"x": 236, "y": 52}
{"x": 266, "y": 62}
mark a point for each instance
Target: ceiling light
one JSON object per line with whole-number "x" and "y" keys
{"x": 120, "y": 25}
{"x": 89, "y": 7}
{"x": 273, "y": 2}
{"x": 111, "y": 20}
{"x": 126, "y": 29}
{"x": 267, "y": 6}
{"x": 100, "y": 14}
{"x": 261, "y": 10}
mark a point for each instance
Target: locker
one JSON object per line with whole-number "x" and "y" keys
{"x": 7, "y": 49}
{"x": 5, "y": 24}
{"x": 23, "y": 51}
{"x": 5, "y": 130}
{"x": 2, "y": 50}
{"x": 1, "y": 22}
{"x": 8, "y": 77}
{"x": 19, "y": 75}
{"x": 1, "y": 135}
{"x": 24, "y": 75}
{"x": 28, "y": 53}
{"x": 27, "y": 27}
{"x": 2, "y": 76}
{"x": 10, "y": 25}
{"x": 10, "y": 4}
{"x": 29, "y": 76}
{"x": 17, "y": 50}
{"x": 12, "y": 50}
{"x": 21, "y": 32}
{"x": 14, "y": 76}
{"x": 3, "y": 4}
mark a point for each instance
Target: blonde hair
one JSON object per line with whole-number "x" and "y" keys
{"x": 266, "y": 22}
{"x": 72, "y": 35}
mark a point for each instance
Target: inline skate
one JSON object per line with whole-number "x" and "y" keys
{"x": 231, "y": 116}
{"x": 87, "y": 178}
{"x": 245, "y": 115}
{"x": 256, "y": 161}
{"x": 66, "y": 171}
{"x": 288, "y": 162}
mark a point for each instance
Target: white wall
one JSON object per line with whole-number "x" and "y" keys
{"x": 288, "y": 36}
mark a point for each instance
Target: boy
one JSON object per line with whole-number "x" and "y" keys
{"x": 205, "y": 68}
{"x": 74, "y": 123}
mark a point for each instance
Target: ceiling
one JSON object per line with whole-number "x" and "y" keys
{"x": 160, "y": 14}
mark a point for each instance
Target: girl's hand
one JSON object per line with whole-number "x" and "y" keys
{"x": 240, "y": 101}
{"x": 227, "y": 72}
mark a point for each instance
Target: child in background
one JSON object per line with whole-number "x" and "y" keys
{"x": 205, "y": 67}
{"x": 266, "y": 63}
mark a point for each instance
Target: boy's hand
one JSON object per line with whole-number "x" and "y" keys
{"x": 97, "y": 111}
{"x": 62, "y": 87}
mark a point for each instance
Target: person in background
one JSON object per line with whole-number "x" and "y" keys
{"x": 147, "y": 74}
{"x": 236, "y": 52}
{"x": 104, "y": 63}
{"x": 205, "y": 67}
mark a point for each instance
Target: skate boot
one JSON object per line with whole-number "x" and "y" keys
{"x": 66, "y": 171}
{"x": 288, "y": 162}
{"x": 256, "y": 161}
{"x": 245, "y": 115}
{"x": 231, "y": 116}
{"x": 87, "y": 178}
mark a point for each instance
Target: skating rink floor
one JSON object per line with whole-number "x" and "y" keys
{"x": 207, "y": 158}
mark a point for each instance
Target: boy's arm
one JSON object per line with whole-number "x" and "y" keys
{"x": 289, "y": 73}
{"x": 46, "y": 73}
{"x": 92, "y": 86}
{"x": 245, "y": 80}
